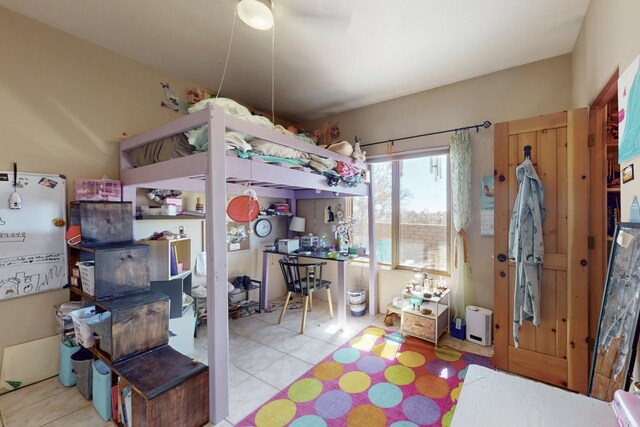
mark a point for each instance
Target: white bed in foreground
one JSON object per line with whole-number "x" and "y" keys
{"x": 491, "y": 398}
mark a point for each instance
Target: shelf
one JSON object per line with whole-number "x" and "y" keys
{"x": 180, "y": 275}
{"x": 164, "y": 217}
{"x": 432, "y": 299}
{"x": 101, "y": 355}
{"x": 613, "y": 190}
{"x": 107, "y": 247}
{"x": 273, "y": 216}
{"x": 76, "y": 290}
{"x": 440, "y": 309}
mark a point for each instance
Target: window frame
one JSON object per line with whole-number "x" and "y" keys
{"x": 395, "y": 206}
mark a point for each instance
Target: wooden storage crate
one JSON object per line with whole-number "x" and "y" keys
{"x": 168, "y": 389}
{"x": 139, "y": 322}
{"x": 102, "y": 223}
{"x": 119, "y": 269}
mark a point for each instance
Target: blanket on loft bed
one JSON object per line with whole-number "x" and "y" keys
{"x": 196, "y": 140}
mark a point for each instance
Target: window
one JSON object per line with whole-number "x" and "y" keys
{"x": 411, "y": 211}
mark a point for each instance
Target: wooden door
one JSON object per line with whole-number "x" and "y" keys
{"x": 556, "y": 352}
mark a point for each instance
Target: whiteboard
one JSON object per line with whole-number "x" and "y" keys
{"x": 33, "y": 252}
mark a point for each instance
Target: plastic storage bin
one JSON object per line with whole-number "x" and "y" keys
{"x": 81, "y": 363}
{"x": 102, "y": 389}
{"x": 108, "y": 190}
{"x": 87, "y": 276}
{"x": 100, "y": 324}
{"x": 84, "y": 334}
{"x": 458, "y": 329}
{"x": 67, "y": 349}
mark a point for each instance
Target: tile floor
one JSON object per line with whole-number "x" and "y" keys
{"x": 265, "y": 357}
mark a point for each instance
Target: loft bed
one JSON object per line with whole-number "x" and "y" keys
{"x": 220, "y": 171}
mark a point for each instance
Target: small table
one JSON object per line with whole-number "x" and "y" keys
{"x": 414, "y": 323}
{"x": 491, "y": 398}
{"x": 321, "y": 255}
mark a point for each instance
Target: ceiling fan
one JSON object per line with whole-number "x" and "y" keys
{"x": 259, "y": 14}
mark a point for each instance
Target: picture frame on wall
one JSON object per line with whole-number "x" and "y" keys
{"x": 627, "y": 174}
{"x": 238, "y": 236}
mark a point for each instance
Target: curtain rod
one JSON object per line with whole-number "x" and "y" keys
{"x": 487, "y": 124}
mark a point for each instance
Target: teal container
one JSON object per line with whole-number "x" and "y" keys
{"x": 67, "y": 349}
{"x": 102, "y": 389}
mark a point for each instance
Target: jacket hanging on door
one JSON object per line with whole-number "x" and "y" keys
{"x": 526, "y": 246}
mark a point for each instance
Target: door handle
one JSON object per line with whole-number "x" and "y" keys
{"x": 502, "y": 257}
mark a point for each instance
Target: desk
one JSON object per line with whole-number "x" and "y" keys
{"x": 491, "y": 398}
{"x": 321, "y": 255}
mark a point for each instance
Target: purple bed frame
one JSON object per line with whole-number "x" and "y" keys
{"x": 218, "y": 169}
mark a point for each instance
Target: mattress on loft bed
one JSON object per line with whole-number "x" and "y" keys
{"x": 196, "y": 140}
{"x": 180, "y": 145}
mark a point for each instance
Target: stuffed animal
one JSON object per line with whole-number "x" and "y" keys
{"x": 358, "y": 155}
{"x": 159, "y": 195}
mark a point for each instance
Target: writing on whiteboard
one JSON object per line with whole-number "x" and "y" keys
{"x": 31, "y": 259}
{"x": 12, "y": 237}
{"x": 23, "y": 284}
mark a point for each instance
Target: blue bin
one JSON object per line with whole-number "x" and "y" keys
{"x": 102, "y": 389}
{"x": 459, "y": 333}
{"x": 67, "y": 349}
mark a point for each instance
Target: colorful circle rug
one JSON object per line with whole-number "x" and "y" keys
{"x": 371, "y": 381}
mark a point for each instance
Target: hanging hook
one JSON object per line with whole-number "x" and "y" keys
{"x": 527, "y": 152}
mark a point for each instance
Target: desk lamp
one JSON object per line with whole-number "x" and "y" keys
{"x": 297, "y": 224}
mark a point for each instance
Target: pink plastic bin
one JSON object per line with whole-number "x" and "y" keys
{"x": 103, "y": 190}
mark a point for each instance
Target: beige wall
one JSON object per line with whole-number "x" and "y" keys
{"x": 65, "y": 103}
{"x": 609, "y": 38}
{"x": 534, "y": 89}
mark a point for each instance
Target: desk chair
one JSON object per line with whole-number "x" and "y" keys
{"x": 303, "y": 284}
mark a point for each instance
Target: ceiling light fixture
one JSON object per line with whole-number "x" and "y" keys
{"x": 256, "y": 14}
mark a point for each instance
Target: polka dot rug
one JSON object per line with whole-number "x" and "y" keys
{"x": 373, "y": 382}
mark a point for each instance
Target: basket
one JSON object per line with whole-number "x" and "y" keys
{"x": 84, "y": 334}
{"x": 358, "y": 310}
{"x": 106, "y": 190}
{"x": 358, "y": 296}
{"x": 87, "y": 276}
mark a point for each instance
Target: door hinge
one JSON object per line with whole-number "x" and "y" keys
{"x": 591, "y": 142}
{"x": 591, "y": 242}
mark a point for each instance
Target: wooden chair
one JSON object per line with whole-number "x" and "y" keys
{"x": 304, "y": 284}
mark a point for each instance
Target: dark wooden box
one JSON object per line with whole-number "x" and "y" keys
{"x": 168, "y": 389}
{"x": 120, "y": 269}
{"x": 139, "y": 322}
{"x": 102, "y": 223}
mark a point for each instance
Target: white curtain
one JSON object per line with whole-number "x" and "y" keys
{"x": 460, "y": 159}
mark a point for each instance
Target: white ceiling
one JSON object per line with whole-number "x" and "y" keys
{"x": 331, "y": 55}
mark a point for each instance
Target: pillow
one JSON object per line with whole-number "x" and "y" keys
{"x": 343, "y": 147}
{"x": 158, "y": 151}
